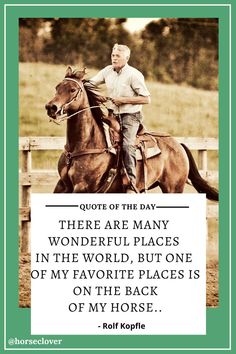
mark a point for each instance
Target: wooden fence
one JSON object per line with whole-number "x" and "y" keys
{"x": 29, "y": 177}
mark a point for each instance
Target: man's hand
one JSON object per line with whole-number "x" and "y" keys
{"x": 118, "y": 101}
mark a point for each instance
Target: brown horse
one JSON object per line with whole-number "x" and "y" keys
{"x": 86, "y": 163}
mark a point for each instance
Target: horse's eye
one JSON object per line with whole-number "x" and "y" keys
{"x": 72, "y": 90}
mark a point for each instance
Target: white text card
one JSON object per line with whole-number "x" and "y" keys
{"x": 118, "y": 264}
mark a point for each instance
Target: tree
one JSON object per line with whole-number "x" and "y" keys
{"x": 86, "y": 41}
{"x": 171, "y": 50}
{"x": 30, "y": 43}
{"x": 185, "y": 50}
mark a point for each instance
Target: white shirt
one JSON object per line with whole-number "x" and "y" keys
{"x": 128, "y": 82}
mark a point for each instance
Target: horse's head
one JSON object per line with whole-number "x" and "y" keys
{"x": 69, "y": 94}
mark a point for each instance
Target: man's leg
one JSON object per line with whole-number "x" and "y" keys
{"x": 130, "y": 124}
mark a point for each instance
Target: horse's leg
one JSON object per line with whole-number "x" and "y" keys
{"x": 80, "y": 188}
{"x": 64, "y": 184}
{"x": 172, "y": 188}
{"x": 61, "y": 187}
{"x": 174, "y": 176}
{"x": 89, "y": 174}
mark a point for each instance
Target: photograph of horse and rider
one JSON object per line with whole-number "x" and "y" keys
{"x": 120, "y": 104}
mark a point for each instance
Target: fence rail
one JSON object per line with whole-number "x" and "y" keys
{"x": 29, "y": 177}
{"x": 57, "y": 143}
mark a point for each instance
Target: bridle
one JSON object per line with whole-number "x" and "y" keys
{"x": 63, "y": 116}
{"x": 70, "y": 155}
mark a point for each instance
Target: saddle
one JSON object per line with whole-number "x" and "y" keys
{"x": 146, "y": 147}
{"x": 146, "y": 144}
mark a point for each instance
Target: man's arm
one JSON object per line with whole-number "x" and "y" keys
{"x": 118, "y": 101}
{"x": 98, "y": 79}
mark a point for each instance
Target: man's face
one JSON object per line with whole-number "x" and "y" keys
{"x": 118, "y": 59}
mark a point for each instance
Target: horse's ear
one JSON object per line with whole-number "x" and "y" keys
{"x": 80, "y": 74}
{"x": 68, "y": 71}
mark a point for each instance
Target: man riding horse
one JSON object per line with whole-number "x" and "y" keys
{"x": 128, "y": 91}
{"x": 88, "y": 164}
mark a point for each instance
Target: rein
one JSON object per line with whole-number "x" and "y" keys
{"x": 64, "y": 116}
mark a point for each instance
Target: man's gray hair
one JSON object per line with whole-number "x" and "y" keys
{"x": 122, "y": 48}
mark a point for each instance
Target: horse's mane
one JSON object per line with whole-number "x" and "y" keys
{"x": 95, "y": 99}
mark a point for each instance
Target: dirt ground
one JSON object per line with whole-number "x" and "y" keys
{"x": 212, "y": 297}
{"x": 212, "y": 291}
{"x": 212, "y": 274}
{"x": 24, "y": 281}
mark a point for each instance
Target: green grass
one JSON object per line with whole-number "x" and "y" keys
{"x": 37, "y": 85}
{"x": 182, "y": 111}
{"x": 178, "y": 110}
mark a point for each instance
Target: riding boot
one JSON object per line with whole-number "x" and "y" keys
{"x": 131, "y": 188}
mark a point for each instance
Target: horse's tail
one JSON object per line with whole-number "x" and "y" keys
{"x": 197, "y": 181}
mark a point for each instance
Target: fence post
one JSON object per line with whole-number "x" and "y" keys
{"x": 202, "y": 161}
{"x": 25, "y": 202}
